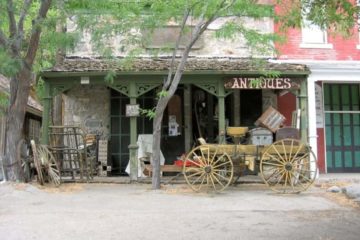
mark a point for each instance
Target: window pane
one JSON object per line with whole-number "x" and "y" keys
{"x": 327, "y": 97}
{"x": 338, "y": 159}
{"x": 355, "y": 98}
{"x": 348, "y": 159}
{"x": 329, "y": 160}
{"x": 313, "y": 34}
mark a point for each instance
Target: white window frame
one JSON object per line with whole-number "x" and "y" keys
{"x": 308, "y": 30}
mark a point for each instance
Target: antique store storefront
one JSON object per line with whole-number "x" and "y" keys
{"x": 213, "y": 94}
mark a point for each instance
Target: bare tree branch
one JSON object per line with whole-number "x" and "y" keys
{"x": 12, "y": 21}
{"x": 185, "y": 18}
{"x": 24, "y": 11}
{"x": 36, "y": 31}
{"x": 201, "y": 26}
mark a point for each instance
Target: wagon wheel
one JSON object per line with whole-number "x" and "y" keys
{"x": 25, "y": 159}
{"x": 49, "y": 164}
{"x": 288, "y": 166}
{"x": 37, "y": 163}
{"x": 206, "y": 168}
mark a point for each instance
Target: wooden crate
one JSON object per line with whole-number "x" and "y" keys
{"x": 271, "y": 119}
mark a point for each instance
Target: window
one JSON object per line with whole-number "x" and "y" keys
{"x": 313, "y": 36}
{"x": 34, "y": 130}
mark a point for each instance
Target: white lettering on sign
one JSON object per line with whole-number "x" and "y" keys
{"x": 262, "y": 83}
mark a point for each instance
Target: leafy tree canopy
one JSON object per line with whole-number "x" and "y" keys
{"x": 18, "y": 21}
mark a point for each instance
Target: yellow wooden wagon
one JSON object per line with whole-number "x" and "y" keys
{"x": 286, "y": 166}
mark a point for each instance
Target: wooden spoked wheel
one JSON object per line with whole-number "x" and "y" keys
{"x": 49, "y": 164}
{"x": 45, "y": 164}
{"x": 37, "y": 163}
{"x": 208, "y": 169}
{"x": 288, "y": 166}
{"x": 25, "y": 159}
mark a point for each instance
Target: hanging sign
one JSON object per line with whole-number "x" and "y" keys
{"x": 319, "y": 106}
{"x": 262, "y": 83}
{"x": 132, "y": 110}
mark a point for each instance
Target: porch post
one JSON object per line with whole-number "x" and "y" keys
{"x": 47, "y": 99}
{"x": 311, "y": 120}
{"x": 133, "y": 137}
{"x": 236, "y": 106}
{"x": 187, "y": 117}
{"x": 312, "y": 114}
{"x": 304, "y": 111}
{"x": 221, "y": 102}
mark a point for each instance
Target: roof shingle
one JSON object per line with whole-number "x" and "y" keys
{"x": 162, "y": 64}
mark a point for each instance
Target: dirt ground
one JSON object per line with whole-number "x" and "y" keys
{"x": 134, "y": 211}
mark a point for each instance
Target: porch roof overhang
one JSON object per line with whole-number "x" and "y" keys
{"x": 160, "y": 66}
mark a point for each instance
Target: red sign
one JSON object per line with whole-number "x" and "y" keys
{"x": 262, "y": 83}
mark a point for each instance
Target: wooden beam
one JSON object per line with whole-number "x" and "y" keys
{"x": 46, "y": 114}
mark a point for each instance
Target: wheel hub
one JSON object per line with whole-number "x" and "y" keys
{"x": 207, "y": 169}
{"x": 288, "y": 166}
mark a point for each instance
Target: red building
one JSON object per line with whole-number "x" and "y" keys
{"x": 333, "y": 93}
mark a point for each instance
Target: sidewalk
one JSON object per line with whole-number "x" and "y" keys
{"x": 344, "y": 177}
{"x": 347, "y": 183}
{"x": 323, "y": 178}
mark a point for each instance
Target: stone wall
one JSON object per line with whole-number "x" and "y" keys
{"x": 88, "y": 107}
{"x": 208, "y": 45}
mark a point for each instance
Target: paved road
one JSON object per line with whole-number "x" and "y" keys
{"x": 121, "y": 211}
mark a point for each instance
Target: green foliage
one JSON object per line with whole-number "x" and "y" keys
{"x": 272, "y": 74}
{"x": 254, "y": 83}
{"x": 149, "y": 113}
{"x": 8, "y": 66}
{"x": 40, "y": 89}
{"x": 110, "y": 75}
{"x": 128, "y": 20}
{"x": 338, "y": 16}
{"x": 162, "y": 94}
{"x": 4, "y": 102}
{"x": 50, "y": 42}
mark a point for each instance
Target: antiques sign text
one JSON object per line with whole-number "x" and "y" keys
{"x": 261, "y": 83}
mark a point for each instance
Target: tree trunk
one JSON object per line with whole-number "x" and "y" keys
{"x": 159, "y": 113}
{"x": 19, "y": 92}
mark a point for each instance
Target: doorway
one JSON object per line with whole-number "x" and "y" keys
{"x": 342, "y": 127}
